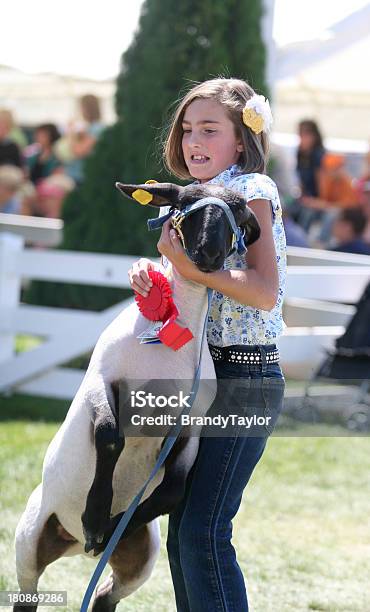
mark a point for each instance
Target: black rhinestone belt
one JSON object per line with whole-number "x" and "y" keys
{"x": 245, "y": 355}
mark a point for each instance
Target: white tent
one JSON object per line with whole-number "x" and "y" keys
{"x": 327, "y": 79}
{"x": 37, "y": 98}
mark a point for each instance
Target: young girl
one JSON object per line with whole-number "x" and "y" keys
{"x": 219, "y": 135}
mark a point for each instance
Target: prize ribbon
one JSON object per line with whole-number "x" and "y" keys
{"x": 158, "y": 305}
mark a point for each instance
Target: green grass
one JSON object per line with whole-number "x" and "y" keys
{"x": 26, "y": 343}
{"x": 302, "y": 532}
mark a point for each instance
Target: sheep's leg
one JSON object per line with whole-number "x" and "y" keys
{"x": 35, "y": 549}
{"x": 132, "y": 563}
{"x": 108, "y": 445}
{"x": 169, "y": 492}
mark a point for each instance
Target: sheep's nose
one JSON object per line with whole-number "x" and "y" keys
{"x": 209, "y": 258}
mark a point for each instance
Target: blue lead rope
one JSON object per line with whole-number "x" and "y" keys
{"x": 170, "y": 441}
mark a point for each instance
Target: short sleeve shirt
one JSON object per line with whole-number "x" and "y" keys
{"x": 230, "y": 322}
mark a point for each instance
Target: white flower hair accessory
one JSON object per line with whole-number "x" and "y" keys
{"x": 257, "y": 114}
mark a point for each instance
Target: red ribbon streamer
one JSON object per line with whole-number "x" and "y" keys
{"x": 158, "y": 305}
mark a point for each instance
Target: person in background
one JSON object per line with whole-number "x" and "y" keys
{"x": 281, "y": 173}
{"x": 28, "y": 196}
{"x": 81, "y": 138}
{"x": 336, "y": 188}
{"x": 348, "y": 231}
{"x": 11, "y": 179}
{"x": 336, "y": 192}
{"x": 40, "y": 157}
{"x": 309, "y": 156}
{"x": 10, "y": 153}
{"x": 294, "y": 233}
{"x": 16, "y": 134}
{"x": 362, "y": 186}
{"x": 50, "y": 195}
{"x": 90, "y": 110}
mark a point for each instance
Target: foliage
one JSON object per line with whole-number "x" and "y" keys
{"x": 176, "y": 44}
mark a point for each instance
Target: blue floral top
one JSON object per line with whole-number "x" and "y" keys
{"x": 230, "y": 322}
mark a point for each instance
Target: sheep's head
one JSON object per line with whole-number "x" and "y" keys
{"x": 207, "y": 232}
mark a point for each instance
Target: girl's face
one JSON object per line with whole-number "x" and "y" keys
{"x": 209, "y": 144}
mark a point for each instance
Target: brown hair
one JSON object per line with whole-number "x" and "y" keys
{"x": 233, "y": 95}
{"x": 309, "y": 125}
{"x": 90, "y": 108}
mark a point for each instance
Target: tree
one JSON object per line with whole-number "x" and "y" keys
{"x": 176, "y": 44}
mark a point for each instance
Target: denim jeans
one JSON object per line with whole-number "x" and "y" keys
{"x": 205, "y": 572}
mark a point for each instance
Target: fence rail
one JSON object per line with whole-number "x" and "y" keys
{"x": 322, "y": 289}
{"x": 46, "y": 232}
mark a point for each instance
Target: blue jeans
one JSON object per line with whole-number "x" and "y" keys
{"x": 205, "y": 572}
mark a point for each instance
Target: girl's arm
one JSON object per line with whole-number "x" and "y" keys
{"x": 258, "y": 286}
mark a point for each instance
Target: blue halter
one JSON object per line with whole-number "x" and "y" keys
{"x": 178, "y": 216}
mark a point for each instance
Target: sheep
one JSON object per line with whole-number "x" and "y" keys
{"x": 91, "y": 472}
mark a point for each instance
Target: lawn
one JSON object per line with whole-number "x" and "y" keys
{"x": 302, "y": 532}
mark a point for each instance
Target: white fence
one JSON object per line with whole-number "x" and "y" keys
{"x": 321, "y": 290}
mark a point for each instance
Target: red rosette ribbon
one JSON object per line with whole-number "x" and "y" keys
{"x": 158, "y": 305}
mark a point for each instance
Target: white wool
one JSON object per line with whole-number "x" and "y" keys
{"x": 69, "y": 464}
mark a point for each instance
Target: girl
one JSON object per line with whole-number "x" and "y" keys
{"x": 219, "y": 134}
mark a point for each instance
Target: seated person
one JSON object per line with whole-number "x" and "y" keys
{"x": 11, "y": 179}
{"x": 40, "y": 157}
{"x": 336, "y": 192}
{"x": 50, "y": 195}
{"x": 348, "y": 230}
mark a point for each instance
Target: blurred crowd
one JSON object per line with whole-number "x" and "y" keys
{"x": 323, "y": 207}
{"x": 328, "y": 208}
{"x": 39, "y": 168}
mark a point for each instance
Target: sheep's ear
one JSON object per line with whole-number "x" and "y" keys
{"x": 152, "y": 194}
{"x": 251, "y": 226}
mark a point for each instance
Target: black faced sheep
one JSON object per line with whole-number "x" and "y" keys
{"x": 90, "y": 473}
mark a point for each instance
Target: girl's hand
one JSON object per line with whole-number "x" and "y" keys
{"x": 170, "y": 246}
{"x": 139, "y": 278}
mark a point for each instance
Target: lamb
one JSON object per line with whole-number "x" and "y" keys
{"x": 91, "y": 472}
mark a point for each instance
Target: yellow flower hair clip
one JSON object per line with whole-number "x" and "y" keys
{"x": 257, "y": 114}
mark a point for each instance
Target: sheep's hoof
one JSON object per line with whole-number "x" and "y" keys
{"x": 102, "y": 604}
{"x": 94, "y": 543}
{"x": 94, "y": 526}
